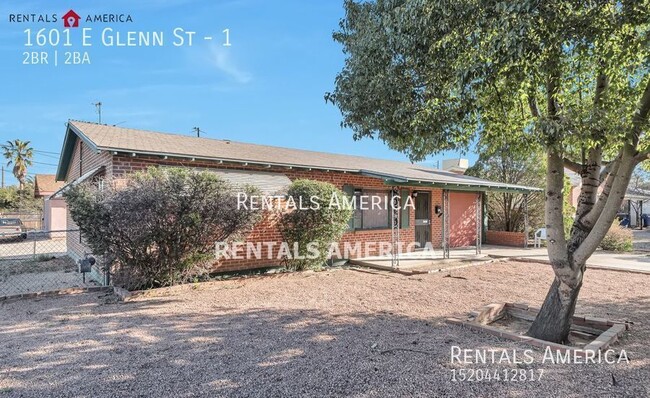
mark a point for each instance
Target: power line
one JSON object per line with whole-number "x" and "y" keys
{"x": 52, "y": 153}
{"x": 48, "y": 156}
{"x": 46, "y": 164}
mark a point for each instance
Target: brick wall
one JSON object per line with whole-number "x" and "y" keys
{"x": 505, "y": 238}
{"x": 118, "y": 166}
{"x": 84, "y": 159}
{"x": 267, "y": 230}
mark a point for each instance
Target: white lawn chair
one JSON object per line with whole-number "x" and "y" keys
{"x": 540, "y": 235}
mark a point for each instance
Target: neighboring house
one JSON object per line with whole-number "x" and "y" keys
{"x": 54, "y": 209}
{"x": 635, "y": 205}
{"x": 448, "y": 206}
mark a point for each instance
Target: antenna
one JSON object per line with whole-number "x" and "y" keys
{"x": 197, "y": 131}
{"x": 98, "y": 106}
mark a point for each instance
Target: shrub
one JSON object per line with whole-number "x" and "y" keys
{"x": 314, "y": 226}
{"x": 159, "y": 227}
{"x": 618, "y": 239}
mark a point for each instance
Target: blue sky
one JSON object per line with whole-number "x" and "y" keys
{"x": 266, "y": 88}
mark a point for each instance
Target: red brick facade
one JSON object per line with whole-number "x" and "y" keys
{"x": 267, "y": 231}
{"x": 505, "y": 238}
{"x": 84, "y": 159}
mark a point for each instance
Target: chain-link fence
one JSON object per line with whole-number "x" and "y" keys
{"x": 42, "y": 261}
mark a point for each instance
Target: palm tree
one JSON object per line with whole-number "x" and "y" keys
{"x": 20, "y": 154}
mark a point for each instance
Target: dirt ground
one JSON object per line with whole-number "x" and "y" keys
{"x": 333, "y": 333}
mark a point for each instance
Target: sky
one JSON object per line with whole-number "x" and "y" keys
{"x": 267, "y": 87}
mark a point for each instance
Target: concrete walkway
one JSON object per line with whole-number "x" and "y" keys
{"x": 425, "y": 262}
{"x": 635, "y": 261}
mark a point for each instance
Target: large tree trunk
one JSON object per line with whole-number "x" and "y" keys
{"x": 554, "y": 319}
{"x": 568, "y": 259}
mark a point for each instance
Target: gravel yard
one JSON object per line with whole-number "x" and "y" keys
{"x": 335, "y": 333}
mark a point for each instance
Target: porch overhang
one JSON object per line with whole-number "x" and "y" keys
{"x": 496, "y": 187}
{"x": 92, "y": 173}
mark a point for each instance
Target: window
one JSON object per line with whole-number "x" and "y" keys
{"x": 371, "y": 209}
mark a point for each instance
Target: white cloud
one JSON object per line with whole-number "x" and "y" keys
{"x": 221, "y": 58}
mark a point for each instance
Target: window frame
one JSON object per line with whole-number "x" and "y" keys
{"x": 360, "y": 192}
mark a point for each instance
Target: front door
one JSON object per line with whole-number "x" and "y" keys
{"x": 462, "y": 219}
{"x": 422, "y": 219}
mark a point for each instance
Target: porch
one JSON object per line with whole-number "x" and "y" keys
{"x": 431, "y": 262}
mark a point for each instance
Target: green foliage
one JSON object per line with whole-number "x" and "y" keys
{"x": 506, "y": 210}
{"x": 317, "y": 225}
{"x": 618, "y": 239}
{"x": 568, "y": 210}
{"x": 13, "y": 199}
{"x": 9, "y": 198}
{"x": 160, "y": 227}
{"x": 428, "y": 76}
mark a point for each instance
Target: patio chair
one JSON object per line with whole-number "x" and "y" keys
{"x": 540, "y": 235}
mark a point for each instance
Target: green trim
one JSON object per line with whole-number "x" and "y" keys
{"x": 67, "y": 151}
{"x": 72, "y": 134}
{"x": 404, "y": 222}
{"x": 461, "y": 187}
{"x": 349, "y": 191}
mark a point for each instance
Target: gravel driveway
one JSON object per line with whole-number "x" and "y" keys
{"x": 331, "y": 333}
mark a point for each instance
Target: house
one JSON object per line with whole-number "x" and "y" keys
{"x": 448, "y": 209}
{"x": 636, "y": 203}
{"x": 71, "y": 19}
{"x": 54, "y": 209}
{"x": 45, "y": 185}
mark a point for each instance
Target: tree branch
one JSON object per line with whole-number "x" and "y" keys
{"x": 571, "y": 165}
{"x": 532, "y": 104}
{"x": 602, "y": 82}
{"x": 641, "y": 115}
{"x": 604, "y": 173}
{"x": 619, "y": 183}
{"x": 641, "y": 156}
{"x": 557, "y": 247}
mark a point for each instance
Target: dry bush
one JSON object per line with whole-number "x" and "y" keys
{"x": 159, "y": 227}
{"x": 618, "y": 239}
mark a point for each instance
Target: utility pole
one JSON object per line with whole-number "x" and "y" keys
{"x": 98, "y": 105}
{"x": 197, "y": 131}
{"x": 3, "y": 176}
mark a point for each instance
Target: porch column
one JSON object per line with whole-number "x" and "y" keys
{"x": 445, "y": 223}
{"x": 479, "y": 223}
{"x": 641, "y": 214}
{"x": 525, "y": 221}
{"x": 395, "y": 218}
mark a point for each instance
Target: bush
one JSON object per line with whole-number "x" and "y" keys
{"x": 618, "y": 239}
{"x": 159, "y": 227}
{"x": 315, "y": 226}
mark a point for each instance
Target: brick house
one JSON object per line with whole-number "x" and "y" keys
{"x": 448, "y": 206}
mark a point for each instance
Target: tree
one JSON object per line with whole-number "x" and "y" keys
{"x": 570, "y": 77}
{"x": 20, "y": 154}
{"x": 505, "y": 210}
{"x": 13, "y": 199}
{"x": 159, "y": 227}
